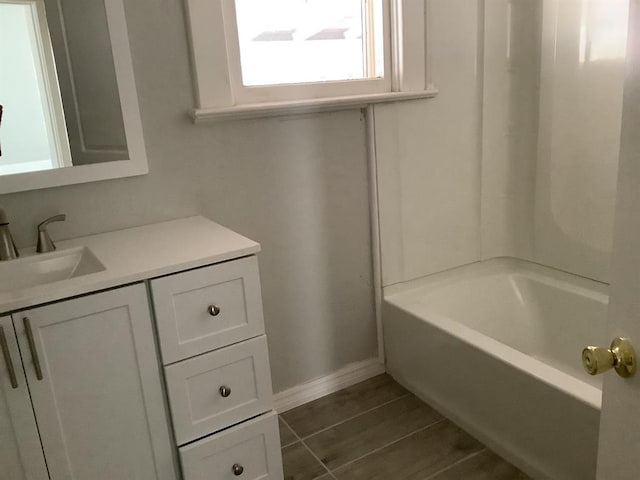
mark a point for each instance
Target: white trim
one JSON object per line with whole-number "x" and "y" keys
{"x": 427, "y": 45}
{"x": 217, "y": 72}
{"x": 374, "y": 212}
{"x": 68, "y": 176}
{"x": 137, "y": 162}
{"x": 345, "y": 377}
{"x": 52, "y": 101}
{"x": 303, "y": 91}
{"x": 209, "y": 56}
{"x": 123, "y": 64}
{"x": 409, "y": 49}
{"x": 297, "y": 107}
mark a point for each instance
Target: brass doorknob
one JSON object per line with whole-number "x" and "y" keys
{"x": 620, "y": 356}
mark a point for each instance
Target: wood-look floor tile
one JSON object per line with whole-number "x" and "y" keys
{"x": 415, "y": 457}
{"x": 484, "y": 466}
{"x": 299, "y": 464}
{"x": 337, "y": 407}
{"x": 360, "y": 435}
{"x": 287, "y": 437}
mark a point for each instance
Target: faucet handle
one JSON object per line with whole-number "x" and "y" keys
{"x": 42, "y": 226}
{"x": 45, "y": 244}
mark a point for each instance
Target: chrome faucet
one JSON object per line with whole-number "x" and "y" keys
{"x": 45, "y": 244}
{"x": 8, "y": 250}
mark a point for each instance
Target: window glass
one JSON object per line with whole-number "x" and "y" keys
{"x": 303, "y": 41}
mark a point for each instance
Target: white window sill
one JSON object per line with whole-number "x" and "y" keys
{"x": 297, "y": 107}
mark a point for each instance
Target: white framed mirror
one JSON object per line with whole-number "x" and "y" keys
{"x": 70, "y": 109}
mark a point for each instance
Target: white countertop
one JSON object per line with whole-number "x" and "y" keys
{"x": 136, "y": 254}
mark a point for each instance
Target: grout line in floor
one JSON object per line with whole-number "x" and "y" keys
{"x": 352, "y": 417}
{"x": 376, "y": 450}
{"x": 296, "y": 440}
{"x": 318, "y": 459}
{"x": 308, "y": 449}
{"x": 292, "y": 430}
{"x": 457, "y": 462}
{"x": 289, "y": 444}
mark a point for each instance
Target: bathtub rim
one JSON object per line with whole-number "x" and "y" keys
{"x": 548, "y": 275}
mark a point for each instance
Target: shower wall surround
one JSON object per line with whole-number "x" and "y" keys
{"x": 518, "y": 154}
{"x": 511, "y": 66}
{"x": 429, "y": 158}
{"x": 581, "y": 84}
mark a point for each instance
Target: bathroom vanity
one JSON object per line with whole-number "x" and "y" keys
{"x": 146, "y": 360}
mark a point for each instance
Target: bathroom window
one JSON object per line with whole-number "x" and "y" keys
{"x": 257, "y": 56}
{"x": 307, "y": 41}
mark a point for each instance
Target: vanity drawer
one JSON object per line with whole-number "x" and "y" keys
{"x": 215, "y": 390}
{"x": 252, "y": 448}
{"x": 207, "y": 308}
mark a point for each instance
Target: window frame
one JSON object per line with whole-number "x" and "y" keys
{"x": 299, "y": 91}
{"x": 217, "y": 73}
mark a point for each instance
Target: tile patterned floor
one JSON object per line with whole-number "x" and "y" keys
{"x": 378, "y": 430}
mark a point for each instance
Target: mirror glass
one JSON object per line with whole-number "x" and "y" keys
{"x": 61, "y": 104}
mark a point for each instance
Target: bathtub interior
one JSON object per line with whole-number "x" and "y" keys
{"x": 543, "y": 313}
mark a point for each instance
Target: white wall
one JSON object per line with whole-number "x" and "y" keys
{"x": 429, "y": 156}
{"x": 297, "y": 185}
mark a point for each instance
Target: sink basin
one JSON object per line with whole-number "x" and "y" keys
{"x": 40, "y": 269}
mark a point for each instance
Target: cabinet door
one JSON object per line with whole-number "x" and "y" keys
{"x": 21, "y": 455}
{"x": 94, "y": 378}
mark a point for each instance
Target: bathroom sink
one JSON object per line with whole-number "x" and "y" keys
{"x": 41, "y": 269}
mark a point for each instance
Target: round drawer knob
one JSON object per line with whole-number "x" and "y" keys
{"x": 225, "y": 391}
{"x": 214, "y": 310}
{"x": 237, "y": 469}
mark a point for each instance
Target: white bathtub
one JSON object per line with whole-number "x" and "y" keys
{"x": 496, "y": 347}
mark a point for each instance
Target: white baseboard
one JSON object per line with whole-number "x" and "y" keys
{"x": 314, "y": 389}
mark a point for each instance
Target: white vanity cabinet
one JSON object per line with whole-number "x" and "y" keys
{"x": 92, "y": 373}
{"x": 89, "y": 391}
